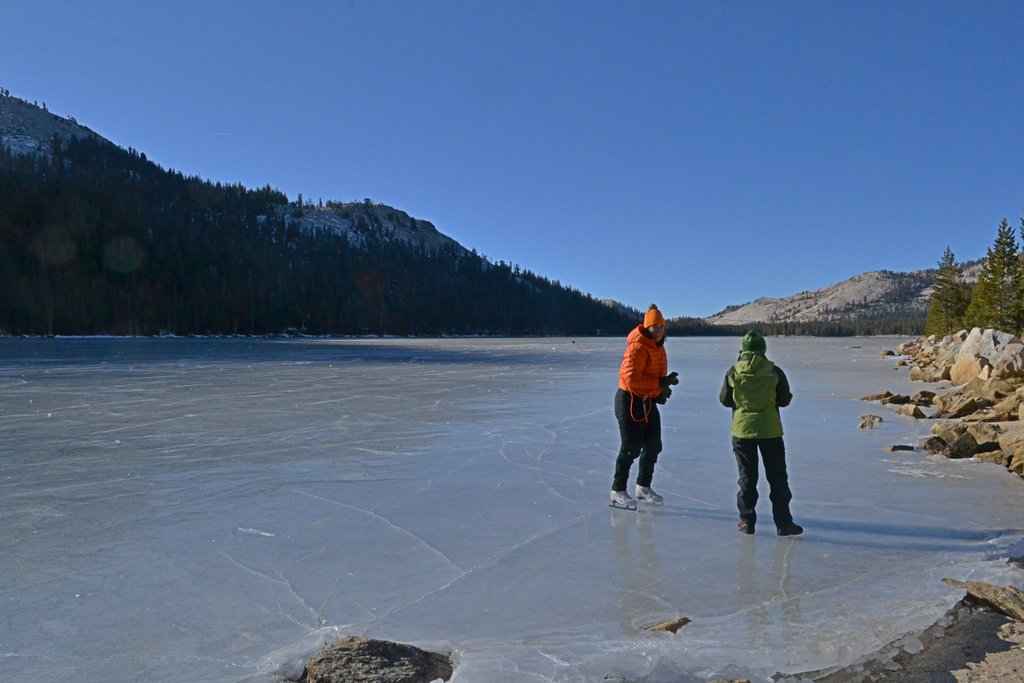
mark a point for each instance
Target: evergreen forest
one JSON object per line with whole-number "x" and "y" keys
{"x": 996, "y": 300}
{"x": 98, "y": 240}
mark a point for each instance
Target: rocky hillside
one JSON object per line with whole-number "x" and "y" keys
{"x": 863, "y": 296}
{"x": 357, "y": 221}
{"x": 27, "y": 128}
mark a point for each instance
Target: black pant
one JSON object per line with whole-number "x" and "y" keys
{"x": 640, "y": 432}
{"x": 773, "y": 452}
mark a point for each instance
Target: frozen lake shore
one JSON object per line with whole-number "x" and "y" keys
{"x": 217, "y": 510}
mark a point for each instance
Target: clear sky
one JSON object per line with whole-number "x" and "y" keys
{"x": 694, "y": 154}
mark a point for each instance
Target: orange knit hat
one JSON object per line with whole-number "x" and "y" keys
{"x": 653, "y": 317}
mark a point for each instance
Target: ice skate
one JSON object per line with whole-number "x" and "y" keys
{"x": 621, "y": 499}
{"x": 645, "y": 494}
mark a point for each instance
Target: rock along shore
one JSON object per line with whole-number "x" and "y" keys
{"x": 980, "y": 417}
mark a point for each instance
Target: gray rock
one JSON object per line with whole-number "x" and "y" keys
{"x": 896, "y": 400}
{"x": 361, "y": 660}
{"x": 1010, "y": 362}
{"x": 869, "y": 421}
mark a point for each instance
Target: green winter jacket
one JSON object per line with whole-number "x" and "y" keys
{"x": 755, "y": 388}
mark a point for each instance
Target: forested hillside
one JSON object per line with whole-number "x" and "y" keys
{"x": 95, "y": 239}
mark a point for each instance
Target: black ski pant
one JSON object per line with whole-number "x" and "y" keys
{"x": 640, "y": 432}
{"x": 773, "y": 452}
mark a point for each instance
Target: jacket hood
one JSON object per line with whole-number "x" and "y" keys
{"x": 753, "y": 362}
{"x": 639, "y": 335}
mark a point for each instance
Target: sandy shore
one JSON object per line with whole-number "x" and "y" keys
{"x": 971, "y": 645}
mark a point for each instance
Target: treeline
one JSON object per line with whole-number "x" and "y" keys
{"x": 995, "y": 301}
{"x": 95, "y": 239}
{"x": 902, "y": 322}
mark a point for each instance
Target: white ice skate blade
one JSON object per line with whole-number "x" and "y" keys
{"x": 622, "y": 507}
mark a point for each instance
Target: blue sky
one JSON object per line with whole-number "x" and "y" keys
{"x": 694, "y": 154}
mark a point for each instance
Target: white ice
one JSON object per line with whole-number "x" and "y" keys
{"x": 217, "y": 510}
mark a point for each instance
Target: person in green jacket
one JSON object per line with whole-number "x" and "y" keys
{"x": 755, "y": 389}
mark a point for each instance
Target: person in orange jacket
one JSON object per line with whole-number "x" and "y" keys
{"x": 644, "y": 383}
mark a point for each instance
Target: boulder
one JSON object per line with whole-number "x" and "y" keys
{"x": 908, "y": 348}
{"x": 1012, "y": 437}
{"x": 361, "y": 660}
{"x": 896, "y": 400}
{"x": 990, "y": 391}
{"x": 881, "y": 396}
{"x": 1010, "y": 362}
{"x": 928, "y": 373}
{"x": 963, "y": 446}
{"x": 1005, "y": 600}
{"x": 898, "y": 447}
{"x": 923, "y": 398}
{"x": 986, "y": 343}
{"x": 987, "y": 414}
{"x": 1017, "y": 462}
{"x": 887, "y": 352}
{"x": 936, "y": 446}
{"x": 949, "y": 431}
{"x": 959, "y": 407}
{"x": 910, "y": 410}
{"x": 869, "y": 421}
{"x": 966, "y": 368}
{"x": 1009, "y": 406}
{"x": 996, "y": 457}
{"x": 985, "y": 433}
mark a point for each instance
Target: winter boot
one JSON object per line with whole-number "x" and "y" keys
{"x": 621, "y": 499}
{"x": 791, "y": 529}
{"x": 645, "y": 494}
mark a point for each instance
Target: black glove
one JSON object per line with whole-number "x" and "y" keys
{"x": 663, "y": 396}
{"x": 671, "y": 379}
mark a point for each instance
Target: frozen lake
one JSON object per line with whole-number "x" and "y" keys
{"x": 217, "y": 510}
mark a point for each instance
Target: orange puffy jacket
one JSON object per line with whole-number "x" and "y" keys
{"x": 643, "y": 364}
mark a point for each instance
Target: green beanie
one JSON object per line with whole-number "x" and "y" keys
{"x": 753, "y": 341}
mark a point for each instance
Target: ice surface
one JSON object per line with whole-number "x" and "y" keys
{"x": 217, "y": 510}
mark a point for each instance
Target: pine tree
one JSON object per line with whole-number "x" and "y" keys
{"x": 949, "y": 297}
{"x": 995, "y": 301}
